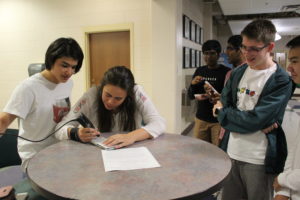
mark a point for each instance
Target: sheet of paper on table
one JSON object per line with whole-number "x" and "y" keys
{"x": 128, "y": 159}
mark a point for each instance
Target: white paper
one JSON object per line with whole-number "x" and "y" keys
{"x": 128, "y": 159}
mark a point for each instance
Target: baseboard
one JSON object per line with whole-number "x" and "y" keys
{"x": 188, "y": 128}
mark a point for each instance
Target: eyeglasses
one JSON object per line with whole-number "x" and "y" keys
{"x": 210, "y": 53}
{"x": 253, "y": 49}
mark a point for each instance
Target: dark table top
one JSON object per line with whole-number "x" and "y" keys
{"x": 190, "y": 169}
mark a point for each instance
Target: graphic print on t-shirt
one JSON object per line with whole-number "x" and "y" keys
{"x": 60, "y": 109}
{"x": 246, "y": 91}
{"x": 79, "y": 105}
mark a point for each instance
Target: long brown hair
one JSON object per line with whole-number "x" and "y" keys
{"x": 121, "y": 77}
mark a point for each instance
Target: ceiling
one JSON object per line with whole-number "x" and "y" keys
{"x": 285, "y": 14}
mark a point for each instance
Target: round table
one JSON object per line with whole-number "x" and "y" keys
{"x": 190, "y": 169}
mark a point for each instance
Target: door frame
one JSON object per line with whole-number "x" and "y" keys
{"x": 101, "y": 29}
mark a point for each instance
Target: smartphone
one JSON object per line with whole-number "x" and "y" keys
{"x": 99, "y": 142}
{"x": 215, "y": 91}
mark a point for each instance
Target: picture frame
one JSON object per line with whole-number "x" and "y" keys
{"x": 186, "y": 57}
{"x": 281, "y": 59}
{"x": 193, "y": 58}
{"x": 186, "y": 27}
{"x": 198, "y": 58}
{"x": 197, "y": 34}
{"x": 193, "y": 30}
{"x": 201, "y": 35}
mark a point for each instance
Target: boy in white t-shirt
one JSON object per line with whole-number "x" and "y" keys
{"x": 41, "y": 101}
{"x": 253, "y": 100}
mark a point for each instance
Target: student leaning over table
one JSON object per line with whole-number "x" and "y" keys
{"x": 118, "y": 104}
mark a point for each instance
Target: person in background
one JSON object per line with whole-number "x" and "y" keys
{"x": 234, "y": 53}
{"x": 236, "y": 58}
{"x": 287, "y": 184}
{"x": 206, "y": 125}
{"x": 41, "y": 101}
{"x": 117, "y": 105}
{"x": 254, "y": 98}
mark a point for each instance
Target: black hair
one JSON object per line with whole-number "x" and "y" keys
{"x": 212, "y": 45}
{"x": 122, "y": 77}
{"x": 293, "y": 43}
{"x": 235, "y": 41}
{"x": 261, "y": 30}
{"x": 63, "y": 47}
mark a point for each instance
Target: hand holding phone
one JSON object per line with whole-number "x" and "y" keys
{"x": 213, "y": 94}
{"x": 209, "y": 86}
{"x": 87, "y": 134}
{"x": 201, "y": 97}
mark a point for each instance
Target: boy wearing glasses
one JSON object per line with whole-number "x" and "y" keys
{"x": 287, "y": 184}
{"x": 254, "y": 99}
{"x": 206, "y": 125}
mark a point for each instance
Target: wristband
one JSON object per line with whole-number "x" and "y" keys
{"x": 77, "y": 136}
{"x": 74, "y": 134}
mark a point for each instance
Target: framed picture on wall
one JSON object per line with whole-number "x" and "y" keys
{"x": 281, "y": 59}
{"x": 201, "y": 36}
{"x": 186, "y": 57}
{"x": 193, "y": 58}
{"x": 198, "y": 34}
{"x": 198, "y": 58}
{"x": 193, "y": 30}
{"x": 186, "y": 27}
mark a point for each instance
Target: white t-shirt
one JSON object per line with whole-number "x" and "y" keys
{"x": 250, "y": 147}
{"x": 40, "y": 105}
{"x": 146, "y": 115}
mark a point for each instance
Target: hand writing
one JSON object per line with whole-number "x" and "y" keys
{"x": 87, "y": 134}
